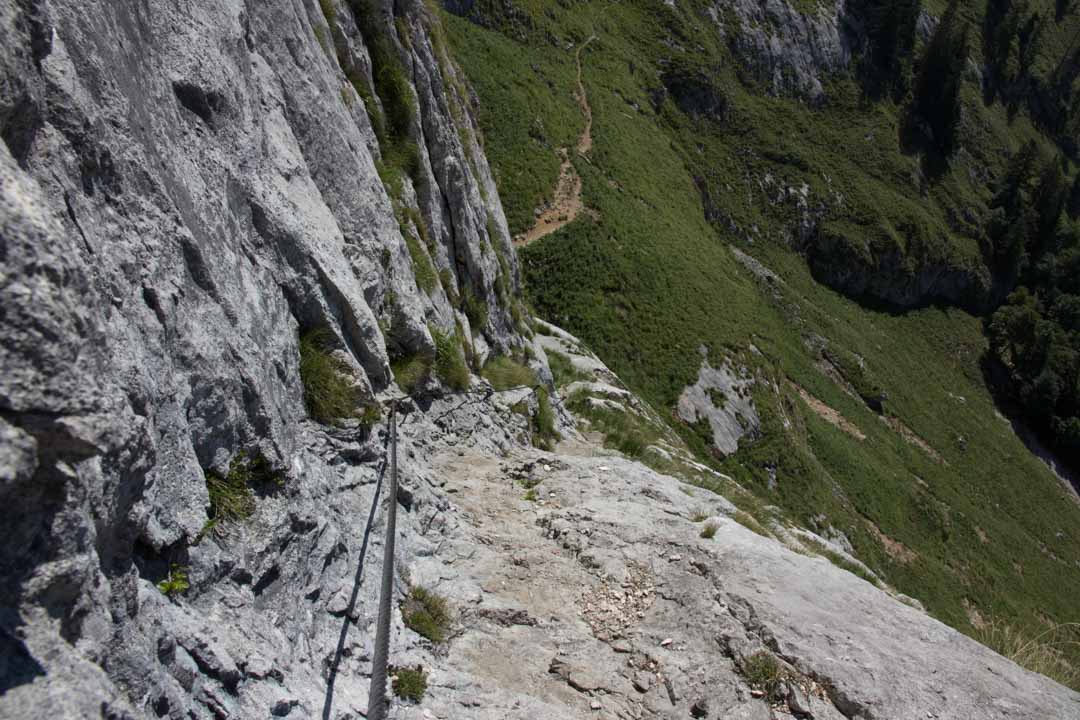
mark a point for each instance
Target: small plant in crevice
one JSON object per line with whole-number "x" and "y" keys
{"x": 709, "y": 530}
{"x": 530, "y": 495}
{"x": 426, "y": 613}
{"x": 450, "y": 365}
{"x": 411, "y": 371}
{"x": 409, "y": 683}
{"x": 329, "y": 391}
{"x": 475, "y": 308}
{"x": 176, "y": 583}
{"x": 232, "y": 496}
{"x": 423, "y": 268}
{"x": 763, "y": 672}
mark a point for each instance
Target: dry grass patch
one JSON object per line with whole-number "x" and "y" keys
{"x": 1043, "y": 652}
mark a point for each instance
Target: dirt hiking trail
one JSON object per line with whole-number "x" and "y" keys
{"x": 566, "y": 205}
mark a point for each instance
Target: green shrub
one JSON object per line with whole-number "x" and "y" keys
{"x": 176, "y": 583}
{"x": 329, "y": 391}
{"x": 466, "y": 344}
{"x": 709, "y": 530}
{"x": 450, "y": 365}
{"x": 624, "y": 430}
{"x": 409, "y": 683}
{"x": 504, "y": 373}
{"x": 426, "y": 613}
{"x": 530, "y": 495}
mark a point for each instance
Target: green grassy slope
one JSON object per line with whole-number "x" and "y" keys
{"x": 645, "y": 279}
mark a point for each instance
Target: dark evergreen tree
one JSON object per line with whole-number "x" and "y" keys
{"x": 1050, "y": 196}
{"x": 890, "y": 37}
{"x": 1073, "y": 205}
{"x": 937, "y": 93}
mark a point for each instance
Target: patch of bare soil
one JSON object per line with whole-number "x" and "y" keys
{"x": 566, "y": 205}
{"x": 827, "y": 413}
{"x": 897, "y": 550}
{"x": 911, "y": 438}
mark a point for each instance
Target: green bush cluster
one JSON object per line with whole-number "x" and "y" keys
{"x": 544, "y": 433}
{"x": 624, "y": 430}
{"x": 447, "y": 362}
{"x": 475, "y": 308}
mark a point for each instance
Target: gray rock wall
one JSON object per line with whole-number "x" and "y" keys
{"x": 186, "y": 187}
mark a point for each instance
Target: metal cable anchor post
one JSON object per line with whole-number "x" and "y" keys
{"x": 377, "y": 693}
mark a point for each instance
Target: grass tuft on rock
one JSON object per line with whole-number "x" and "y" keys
{"x": 426, "y": 613}
{"x": 505, "y": 373}
{"x": 563, "y": 370}
{"x": 329, "y": 391}
{"x": 545, "y": 435}
{"x": 709, "y": 530}
{"x": 231, "y": 496}
{"x": 763, "y": 672}
{"x": 409, "y": 683}
{"x": 411, "y": 371}
{"x": 1044, "y": 652}
{"x": 450, "y": 365}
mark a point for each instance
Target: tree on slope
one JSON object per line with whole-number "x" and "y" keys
{"x": 937, "y": 90}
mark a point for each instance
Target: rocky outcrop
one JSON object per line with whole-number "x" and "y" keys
{"x": 599, "y": 597}
{"x": 903, "y": 278}
{"x": 722, "y": 398}
{"x": 789, "y": 50}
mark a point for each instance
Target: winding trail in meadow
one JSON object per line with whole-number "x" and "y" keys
{"x": 566, "y": 205}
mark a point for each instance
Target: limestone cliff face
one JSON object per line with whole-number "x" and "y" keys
{"x": 213, "y": 172}
{"x": 187, "y": 187}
